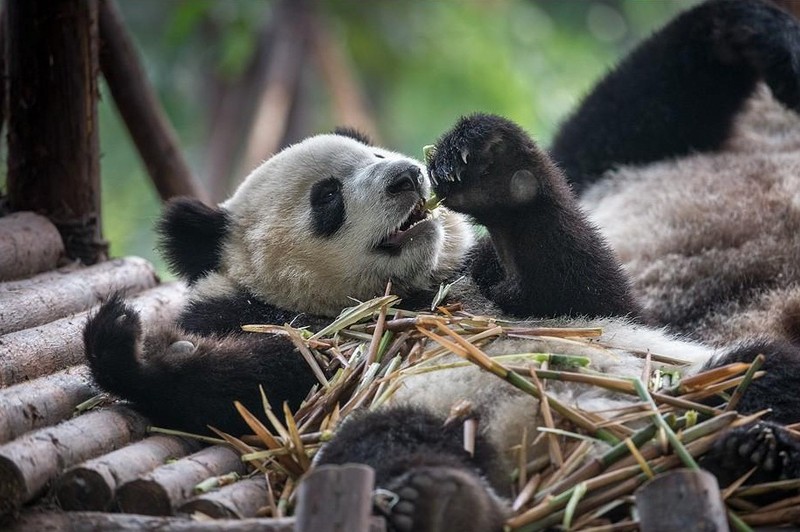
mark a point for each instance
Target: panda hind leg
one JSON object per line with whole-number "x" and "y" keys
{"x": 426, "y": 480}
{"x": 113, "y": 341}
{"x": 766, "y": 444}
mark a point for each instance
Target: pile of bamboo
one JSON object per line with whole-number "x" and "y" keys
{"x": 371, "y": 347}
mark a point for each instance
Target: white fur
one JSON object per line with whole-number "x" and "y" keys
{"x": 693, "y": 232}
{"x": 273, "y": 253}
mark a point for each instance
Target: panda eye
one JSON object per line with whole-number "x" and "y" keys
{"x": 325, "y": 191}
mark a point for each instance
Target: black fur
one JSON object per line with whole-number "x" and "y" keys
{"x": 226, "y": 315}
{"x": 191, "y": 389}
{"x": 422, "y": 459}
{"x": 354, "y": 133}
{"x": 191, "y": 236}
{"x": 327, "y": 206}
{"x": 777, "y": 389}
{"x": 679, "y": 91}
{"x": 550, "y": 260}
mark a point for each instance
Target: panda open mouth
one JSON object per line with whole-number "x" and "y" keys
{"x": 406, "y": 229}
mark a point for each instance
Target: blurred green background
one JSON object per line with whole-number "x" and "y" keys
{"x": 409, "y": 67}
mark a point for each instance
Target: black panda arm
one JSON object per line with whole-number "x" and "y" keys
{"x": 226, "y": 315}
{"x": 679, "y": 90}
{"x": 186, "y": 381}
{"x": 545, "y": 259}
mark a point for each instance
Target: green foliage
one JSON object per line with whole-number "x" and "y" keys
{"x": 422, "y": 64}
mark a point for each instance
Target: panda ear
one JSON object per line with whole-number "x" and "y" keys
{"x": 191, "y": 235}
{"x": 353, "y": 133}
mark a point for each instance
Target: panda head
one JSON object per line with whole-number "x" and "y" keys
{"x": 326, "y": 220}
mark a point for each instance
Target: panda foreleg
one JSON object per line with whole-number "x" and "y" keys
{"x": 430, "y": 482}
{"x": 185, "y": 381}
{"x": 679, "y": 91}
{"x": 767, "y": 444}
{"x": 546, "y": 259}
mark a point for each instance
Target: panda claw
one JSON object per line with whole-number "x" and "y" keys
{"x": 443, "y": 498}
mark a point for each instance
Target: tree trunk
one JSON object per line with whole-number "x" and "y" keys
{"x": 53, "y": 154}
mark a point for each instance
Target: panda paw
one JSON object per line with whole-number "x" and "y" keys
{"x": 443, "y": 498}
{"x": 769, "y": 447}
{"x": 111, "y": 340}
{"x": 486, "y": 164}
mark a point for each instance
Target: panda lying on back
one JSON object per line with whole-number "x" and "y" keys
{"x": 333, "y": 218}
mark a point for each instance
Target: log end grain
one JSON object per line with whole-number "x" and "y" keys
{"x": 83, "y": 489}
{"x": 29, "y": 244}
{"x": 13, "y": 490}
{"x": 145, "y": 497}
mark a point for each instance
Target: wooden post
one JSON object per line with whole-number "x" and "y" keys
{"x": 140, "y": 109}
{"x": 333, "y": 498}
{"x": 684, "y": 500}
{"x": 53, "y": 154}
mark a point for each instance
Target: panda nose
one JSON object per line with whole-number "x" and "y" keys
{"x": 409, "y": 180}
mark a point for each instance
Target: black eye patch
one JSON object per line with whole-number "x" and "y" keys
{"x": 327, "y": 206}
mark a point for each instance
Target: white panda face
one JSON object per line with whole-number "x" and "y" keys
{"x": 331, "y": 219}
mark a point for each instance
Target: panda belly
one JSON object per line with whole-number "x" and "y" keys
{"x": 505, "y": 412}
{"x": 711, "y": 240}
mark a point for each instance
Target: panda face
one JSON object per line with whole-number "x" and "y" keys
{"x": 332, "y": 218}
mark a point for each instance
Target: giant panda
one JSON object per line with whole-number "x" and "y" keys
{"x": 665, "y": 212}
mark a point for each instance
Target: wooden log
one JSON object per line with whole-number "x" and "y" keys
{"x": 238, "y": 500}
{"x": 74, "y": 292}
{"x": 29, "y": 244}
{"x": 682, "y": 499}
{"x": 92, "y": 485}
{"x": 164, "y": 489}
{"x": 44, "y": 277}
{"x": 42, "y": 350}
{"x": 332, "y": 498}
{"x": 140, "y": 110}
{"x": 53, "y": 143}
{"x": 43, "y": 402}
{"x": 103, "y": 522}
{"x": 28, "y": 463}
